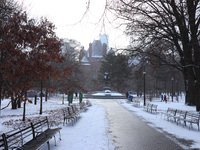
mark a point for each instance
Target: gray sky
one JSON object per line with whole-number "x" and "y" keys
{"x": 66, "y": 14}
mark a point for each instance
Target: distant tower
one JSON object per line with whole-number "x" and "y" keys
{"x": 104, "y": 39}
{"x": 90, "y": 50}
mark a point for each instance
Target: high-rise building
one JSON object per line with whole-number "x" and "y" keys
{"x": 104, "y": 38}
{"x": 90, "y": 60}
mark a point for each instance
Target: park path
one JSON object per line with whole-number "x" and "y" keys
{"x": 130, "y": 133}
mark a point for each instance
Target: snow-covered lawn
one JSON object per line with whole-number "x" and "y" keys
{"x": 103, "y": 94}
{"x": 91, "y": 130}
{"x": 161, "y": 124}
{"x": 89, "y": 133}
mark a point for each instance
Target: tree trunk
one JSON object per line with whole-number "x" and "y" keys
{"x": 190, "y": 92}
{"x": 189, "y": 87}
{"x": 197, "y": 89}
{"x": 41, "y": 94}
{"x": 0, "y": 90}
{"x": 35, "y": 102}
{"x": 24, "y": 111}
{"x": 24, "y": 108}
{"x": 14, "y": 102}
{"x": 19, "y": 102}
{"x": 46, "y": 95}
{"x": 1, "y": 79}
{"x": 63, "y": 98}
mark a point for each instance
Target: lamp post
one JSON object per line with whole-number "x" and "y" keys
{"x": 172, "y": 88}
{"x": 106, "y": 78}
{"x": 107, "y": 81}
{"x": 177, "y": 92}
{"x": 144, "y": 73}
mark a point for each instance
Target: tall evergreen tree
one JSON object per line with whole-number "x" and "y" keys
{"x": 119, "y": 70}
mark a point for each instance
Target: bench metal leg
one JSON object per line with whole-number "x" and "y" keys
{"x": 54, "y": 139}
{"x": 59, "y": 135}
{"x": 72, "y": 120}
{"x": 48, "y": 145}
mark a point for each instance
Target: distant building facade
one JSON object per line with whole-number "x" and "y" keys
{"x": 90, "y": 60}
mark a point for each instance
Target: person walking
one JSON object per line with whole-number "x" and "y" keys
{"x": 127, "y": 95}
{"x": 165, "y": 98}
{"x": 161, "y": 97}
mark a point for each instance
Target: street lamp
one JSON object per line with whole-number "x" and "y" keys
{"x": 106, "y": 78}
{"x": 177, "y": 92}
{"x": 172, "y": 88}
{"x": 144, "y": 73}
{"x": 107, "y": 81}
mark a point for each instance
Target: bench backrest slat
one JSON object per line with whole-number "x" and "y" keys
{"x": 40, "y": 126}
{"x": 172, "y": 111}
{"x": 16, "y": 138}
{"x": 70, "y": 110}
{"x": 65, "y": 112}
{"x": 193, "y": 115}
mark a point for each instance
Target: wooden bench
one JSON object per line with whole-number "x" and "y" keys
{"x": 88, "y": 103}
{"x": 192, "y": 118}
{"x": 73, "y": 112}
{"x": 152, "y": 108}
{"x": 170, "y": 113}
{"x": 69, "y": 115}
{"x": 147, "y": 107}
{"x": 76, "y": 110}
{"x": 84, "y": 105}
{"x": 180, "y": 116}
{"x": 136, "y": 103}
{"x": 32, "y": 137}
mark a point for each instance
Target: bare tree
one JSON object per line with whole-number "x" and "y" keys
{"x": 70, "y": 80}
{"x": 172, "y": 22}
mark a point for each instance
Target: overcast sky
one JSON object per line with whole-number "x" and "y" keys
{"x": 66, "y": 15}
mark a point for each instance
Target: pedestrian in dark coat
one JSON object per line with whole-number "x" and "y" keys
{"x": 165, "y": 98}
{"x": 127, "y": 94}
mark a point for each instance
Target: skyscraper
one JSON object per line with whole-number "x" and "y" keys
{"x": 104, "y": 38}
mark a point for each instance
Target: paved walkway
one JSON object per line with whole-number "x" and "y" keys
{"x": 130, "y": 133}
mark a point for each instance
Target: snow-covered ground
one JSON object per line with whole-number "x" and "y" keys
{"x": 160, "y": 123}
{"x": 103, "y": 93}
{"x": 91, "y": 130}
